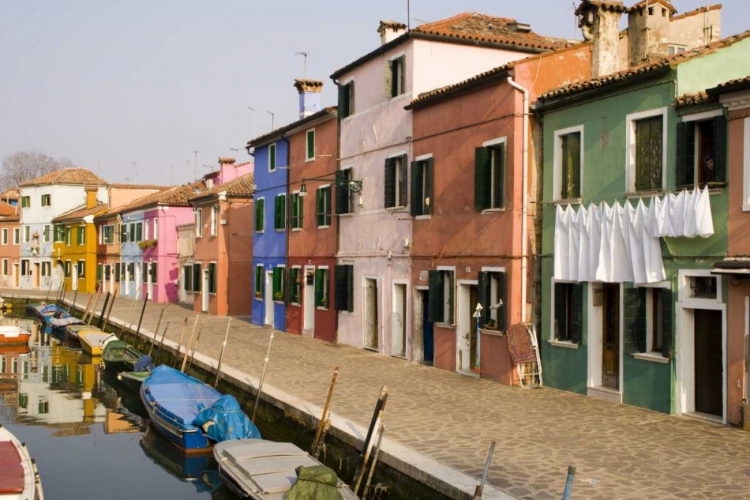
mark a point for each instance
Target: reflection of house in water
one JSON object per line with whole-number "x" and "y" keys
{"x": 58, "y": 393}
{"x": 12, "y": 359}
{"x": 121, "y": 423}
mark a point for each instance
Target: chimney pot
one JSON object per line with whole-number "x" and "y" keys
{"x": 309, "y": 96}
{"x": 390, "y": 30}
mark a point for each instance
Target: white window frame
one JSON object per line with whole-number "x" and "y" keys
{"x": 488, "y": 144}
{"x": 331, "y": 207}
{"x": 272, "y": 168}
{"x": 327, "y": 285}
{"x": 398, "y": 156}
{"x": 630, "y": 120}
{"x": 214, "y": 220}
{"x": 198, "y": 217}
{"x": 699, "y": 117}
{"x": 684, "y": 293}
{"x": 16, "y": 235}
{"x": 557, "y": 161}
{"x": 5, "y": 236}
{"x": 307, "y": 144}
{"x": 651, "y": 355}
{"x": 156, "y": 228}
{"x": 146, "y": 225}
{"x": 394, "y": 57}
{"x": 446, "y": 295}
{"x": 568, "y": 344}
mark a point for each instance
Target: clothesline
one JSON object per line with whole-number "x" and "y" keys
{"x": 622, "y": 195}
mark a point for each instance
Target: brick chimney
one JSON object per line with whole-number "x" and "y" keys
{"x": 91, "y": 196}
{"x": 599, "y": 22}
{"x": 648, "y": 30}
{"x": 390, "y": 30}
{"x": 309, "y": 96}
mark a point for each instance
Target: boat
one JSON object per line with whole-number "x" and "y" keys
{"x": 266, "y": 470}
{"x": 119, "y": 356}
{"x": 14, "y": 335}
{"x": 178, "y": 405}
{"x": 92, "y": 340}
{"x": 19, "y": 478}
{"x": 133, "y": 380}
{"x": 46, "y": 313}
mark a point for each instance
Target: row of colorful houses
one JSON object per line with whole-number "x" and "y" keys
{"x": 595, "y": 190}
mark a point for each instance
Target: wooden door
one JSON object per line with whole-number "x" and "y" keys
{"x": 611, "y": 336}
{"x": 708, "y": 363}
{"x": 473, "y": 301}
{"x": 371, "y": 314}
{"x": 428, "y": 332}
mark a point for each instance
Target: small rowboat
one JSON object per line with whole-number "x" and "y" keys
{"x": 119, "y": 356}
{"x": 19, "y": 478}
{"x": 13, "y": 335}
{"x": 93, "y": 340}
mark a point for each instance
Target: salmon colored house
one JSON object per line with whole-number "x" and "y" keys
{"x": 473, "y": 233}
{"x": 312, "y": 231}
{"x": 10, "y": 249}
{"x": 218, "y": 276}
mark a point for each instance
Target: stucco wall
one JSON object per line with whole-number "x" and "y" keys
{"x": 714, "y": 68}
{"x": 11, "y": 252}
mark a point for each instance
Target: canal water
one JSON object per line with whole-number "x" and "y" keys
{"x": 88, "y": 433}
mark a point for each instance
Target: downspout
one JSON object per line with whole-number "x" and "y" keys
{"x": 286, "y": 229}
{"x": 525, "y": 195}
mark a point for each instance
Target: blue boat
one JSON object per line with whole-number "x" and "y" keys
{"x": 174, "y": 401}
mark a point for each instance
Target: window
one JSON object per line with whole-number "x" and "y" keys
{"x": 321, "y": 288}
{"x": 67, "y": 269}
{"x": 343, "y": 195}
{"x": 259, "y": 282}
{"x": 272, "y": 157}
{"x": 131, "y": 237}
{"x": 81, "y": 268}
{"x": 396, "y": 174}
{"x": 46, "y": 268}
{"x": 146, "y": 224}
{"x": 346, "y": 100}
{"x": 197, "y": 278}
{"x": 46, "y": 232}
{"x": 295, "y": 285}
{"x": 323, "y": 206}
{"x": 421, "y": 187}
{"x": 99, "y": 272}
{"x": 16, "y": 235}
{"x": 109, "y": 234}
{"x": 131, "y": 271}
{"x": 198, "y": 222}
{"x": 156, "y": 229}
{"x": 568, "y": 313}
{"x": 214, "y": 220}
{"x": 396, "y": 77}
{"x": 81, "y": 239}
{"x": 296, "y": 209}
{"x": 260, "y": 215}
{"x": 492, "y": 296}
{"x": 647, "y": 319}
{"x": 568, "y": 158}
{"x": 5, "y": 236}
{"x": 675, "y": 49}
{"x": 489, "y": 176}
{"x": 25, "y": 201}
{"x": 25, "y": 267}
{"x": 279, "y": 212}
{"x": 138, "y": 231}
{"x": 279, "y": 280}
{"x": 212, "y": 277}
{"x": 5, "y": 267}
{"x": 144, "y": 272}
{"x": 46, "y": 200}
{"x": 187, "y": 278}
{"x": 118, "y": 272}
{"x": 123, "y": 233}
{"x": 67, "y": 235}
{"x": 441, "y": 296}
{"x": 153, "y": 272}
{"x": 310, "y": 145}
{"x": 343, "y": 288}
{"x": 26, "y": 234}
{"x": 701, "y": 151}
{"x": 646, "y": 151}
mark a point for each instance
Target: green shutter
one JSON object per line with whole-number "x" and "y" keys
{"x": 144, "y": 272}
{"x": 389, "y": 79}
{"x": 320, "y": 216}
{"x": 300, "y": 211}
{"x": 571, "y": 167}
{"x": 634, "y": 319}
{"x": 259, "y": 281}
{"x": 499, "y": 187}
{"x": 403, "y": 182}
{"x": 318, "y": 287}
{"x": 720, "y": 149}
{"x": 260, "y": 214}
{"x": 402, "y": 74}
{"x": 576, "y": 312}
{"x": 435, "y": 299}
{"x": 342, "y": 195}
{"x": 685, "y": 154}
{"x": 502, "y": 296}
{"x": 279, "y": 212}
{"x": 667, "y": 318}
{"x": 560, "y": 312}
{"x": 343, "y": 109}
{"x": 390, "y": 183}
{"x": 481, "y": 179}
{"x": 99, "y": 271}
{"x": 341, "y": 287}
{"x": 310, "y": 144}
{"x": 197, "y": 281}
{"x": 485, "y": 293}
{"x": 416, "y": 187}
{"x": 429, "y": 174}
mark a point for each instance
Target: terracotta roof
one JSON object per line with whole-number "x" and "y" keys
{"x": 331, "y": 110}
{"x": 608, "y": 5}
{"x": 731, "y": 86}
{"x": 700, "y": 10}
{"x": 473, "y": 28}
{"x": 694, "y": 98}
{"x": 650, "y": 3}
{"x": 72, "y": 176}
{"x": 174, "y": 196}
{"x": 137, "y": 186}
{"x": 241, "y": 187}
{"x": 80, "y": 212}
{"x": 10, "y": 194}
{"x": 226, "y": 160}
{"x": 645, "y": 68}
{"x": 8, "y": 212}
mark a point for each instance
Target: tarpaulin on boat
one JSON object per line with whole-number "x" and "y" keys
{"x": 143, "y": 364}
{"x": 317, "y": 482}
{"x": 225, "y": 420}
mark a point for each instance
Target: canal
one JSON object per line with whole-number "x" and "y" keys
{"x": 88, "y": 433}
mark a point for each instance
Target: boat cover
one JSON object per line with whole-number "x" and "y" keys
{"x": 316, "y": 482}
{"x": 225, "y": 420}
{"x": 181, "y": 395}
{"x": 143, "y": 364}
{"x": 61, "y": 322}
{"x": 11, "y": 470}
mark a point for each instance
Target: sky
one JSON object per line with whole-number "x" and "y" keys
{"x": 131, "y": 89}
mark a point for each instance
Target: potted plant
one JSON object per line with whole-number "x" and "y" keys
{"x": 324, "y": 302}
{"x": 258, "y": 295}
{"x": 278, "y": 296}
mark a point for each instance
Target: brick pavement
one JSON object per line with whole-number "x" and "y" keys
{"x": 621, "y": 452}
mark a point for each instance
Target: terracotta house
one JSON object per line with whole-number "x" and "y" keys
{"x": 10, "y": 249}
{"x": 222, "y": 258}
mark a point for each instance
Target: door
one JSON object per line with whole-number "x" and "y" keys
{"x": 473, "y": 301}
{"x": 268, "y": 298}
{"x": 37, "y": 275}
{"x": 428, "y": 332}
{"x": 708, "y": 363}
{"x": 138, "y": 280}
{"x": 611, "y": 336}
{"x": 309, "y": 300}
{"x": 398, "y": 321}
{"x": 74, "y": 278}
{"x": 204, "y": 291}
{"x": 466, "y": 332}
{"x": 16, "y": 276}
{"x": 371, "y": 314}
{"x": 150, "y": 278}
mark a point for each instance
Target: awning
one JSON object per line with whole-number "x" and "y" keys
{"x": 739, "y": 268}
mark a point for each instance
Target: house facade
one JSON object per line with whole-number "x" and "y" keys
{"x": 635, "y": 205}
{"x": 376, "y": 148}
{"x": 185, "y": 251}
{"x": 10, "y": 249}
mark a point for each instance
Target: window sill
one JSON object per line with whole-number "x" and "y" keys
{"x": 746, "y": 207}
{"x": 296, "y": 229}
{"x": 296, "y": 304}
{"x": 494, "y": 333}
{"x": 324, "y": 227}
{"x": 280, "y": 230}
{"x": 398, "y": 209}
{"x": 567, "y": 344}
{"x": 567, "y": 201}
{"x": 321, "y": 308}
{"x": 423, "y": 217}
{"x": 654, "y": 357}
{"x": 493, "y": 210}
{"x": 445, "y": 325}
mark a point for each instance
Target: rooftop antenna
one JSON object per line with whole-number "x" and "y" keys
{"x": 408, "y": 15}
{"x": 135, "y": 172}
{"x": 253, "y": 111}
{"x": 195, "y": 164}
{"x": 272, "y": 115}
{"x": 304, "y": 67}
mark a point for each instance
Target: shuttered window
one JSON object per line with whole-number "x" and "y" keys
{"x": 272, "y": 157}
{"x": 396, "y": 77}
{"x": 649, "y": 153}
{"x": 118, "y": 272}
{"x": 343, "y": 288}
{"x": 81, "y": 235}
{"x": 81, "y": 268}
{"x": 154, "y": 272}
{"x": 212, "y": 277}
{"x": 441, "y": 297}
{"x": 260, "y": 215}
{"x": 321, "y": 288}
{"x": 492, "y": 296}
{"x": 310, "y": 144}
{"x": 343, "y": 195}
{"x": 648, "y": 320}
{"x": 187, "y": 274}
{"x": 346, "y": 100}
{"x": 634, "y": 318}
{"x": 568, "y": 312}
{"x": 279, "y": 212}
{"x": 259, "y": 282}
{"x": 489, "y": 177}
{"x": 295, "y": 285}
{"x": 701, "y": 157}
{"x": 197, "y": 277}
{"x": 296, "y": 211}
{"x": 571, "y": 166}
{"x": 99, "y": 271}
{"x": 279, "y": 280}
{"x": 422, "y": 187}
{"x": 323, "y": 206}
{"x": 396, "y": 175}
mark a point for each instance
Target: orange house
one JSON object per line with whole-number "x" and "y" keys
{"x": 10, "y": 249}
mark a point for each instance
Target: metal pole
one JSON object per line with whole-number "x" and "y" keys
{"x": 221, "y": 356}
{"x": 480, "y": 487}
{"x": 143, "y": 309}
{"x": 324, "y": 417}
{"x": 374, "y": 462}
{"x": 569, "y": 482}
{"x": 262, "y": 377}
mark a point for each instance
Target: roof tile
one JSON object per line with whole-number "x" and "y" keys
{"x": 77, "y": 176}
{"x": 80, "y": 212}
{"x": 694, "y": 98}
{"x": 241, "y": 187}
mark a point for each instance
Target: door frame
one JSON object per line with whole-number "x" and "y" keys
{"x": 463, "y": 316}
{"x": 204, "y": 288}
{"x": 268, "y": 312}
{"x": 406, "y": 314}
{"x": 595, "y": 343}
{"x": 308, "y": 301}
{"x": 378, "y": 306}
{"x": 37, "y": 274}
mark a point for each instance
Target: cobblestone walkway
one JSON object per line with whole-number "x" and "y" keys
{"x": 621, "y": 452}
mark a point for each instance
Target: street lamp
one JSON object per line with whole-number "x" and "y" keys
{"x": 353, "y": 186}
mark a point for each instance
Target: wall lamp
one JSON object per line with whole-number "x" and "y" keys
{"x": 350, "y": 185}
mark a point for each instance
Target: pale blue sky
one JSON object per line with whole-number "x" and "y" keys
{"x": 149, "y": 81}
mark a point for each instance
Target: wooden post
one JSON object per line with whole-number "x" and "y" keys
{"x": 364, "y": 454}
{"x": 127, "y": 318}
{"x": 197, "y": 341}
{"x": 366, "y": 491}
{"x": 324, "y": 416}
{"x": 182, "y": 335}
{"x": 156, "y": 332}
{"x": 480, "y": 487}
{"x": 262, "y": 378}
{"x": 143, "y": 309}
{"x": 46, "y": 299}
{"x": 111, "y": 305}
{"x": 221, "y": 356}
{"x": 62, "y": 298}
{"x": 86, "y": 311}
{"x": 75, "y": 297}
{"x": 359, "y": 475}
{"x": 104, "y": 309}
{"x": 187, "y": 347}
{"x": 93, "y": 308}
{"x": 162, "y": 338}
{"x": 319, "y": 447}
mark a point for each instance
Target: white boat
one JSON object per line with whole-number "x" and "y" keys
{"x": 264, "y": 470}
{"x": 19, "y": 479}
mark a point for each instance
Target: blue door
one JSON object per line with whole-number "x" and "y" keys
{"x": 428, "y": 335}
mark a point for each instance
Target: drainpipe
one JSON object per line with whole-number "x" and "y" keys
{"x": 286, "y": 229}
{"x": 525, "y": 194}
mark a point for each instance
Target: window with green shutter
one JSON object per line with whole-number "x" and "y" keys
{"x": 310, "y": 145}
{"x": 259, "y": 282}
{"x": 489, "y": 177}
{"x": 422, "y": 187}
{"x": 144, "y": 272}
{"x": 323, "y": 206}
{"x": 396, "y": 174}
{"x": 272, "y": 157}
{"x": 295, "y": 285}
{"x": 343, "y": 288}
{"x": 197, "y": 277}
{"x": 649, "y": 147}
{"x": 296, "y": 210}
{"x": 187, "y": 274}
{"x": 81, "y": 268}
{"x": 346, "y": 100}
{"x": 99, "y": 271}
{"x": 343, "y": 195}
{"x": 701, "y": 156}
{"x": 67, "y": 235}
{"x": 279, "y": 282}
{"x": 568, "y": 312}
{"x": 396, "y": 77}
{"x": 260, "y": 215}
{"x": 81, "y": 235}
{"x": 139, "y": 231}
{"x": 59, "y": 233}
{"x": 123, "y": 233}
{"x": 634, "y": 318}
{"x": 279, "y": 212}
{"x": 571, "y": 165}
{"x": 321, "y": 288}
{"x": 118, "y": 272}
{"x": 154, "y": 272}
{"x": 212, "y": 277}
{"x": 492, "y": 296}
{"x": 441, "y": 296}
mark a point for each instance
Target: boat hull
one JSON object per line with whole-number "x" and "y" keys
{"x": 20, "y": 339}
{"x": 187, "y": 440}
{"x": 19, "y": 478}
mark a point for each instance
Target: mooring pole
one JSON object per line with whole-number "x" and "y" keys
{"x": 374, "y": 462}
{"x": 75, "y": 297}
{"x": 221, "y": 356}
{"x": 162, "y": 338}
{"x": 262, "y": 377}
{"x": 128, "y": 317}
{"x": 111, "y": 306}
{"x": 197, "y": 341}
{"x": 143, "y": 309}
{"x": 379, "y": 407}
{"x": 480, "y": 487}
{"x": 104, "y": 309}
{"x": 93, "y": 308}
{"x": 324, "y": 416}
{"x": 360, "y": 474}
{"x": 158, "y": 324}
{"x": 182, "y": 336}
{"x": 569, "y": 482}
{"x": 187, "y": 347}
{"x": 49, "y": 290}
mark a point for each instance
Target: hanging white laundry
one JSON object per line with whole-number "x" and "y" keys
{"x": 691, "y": 198}
{"x": 676, "y": 214}
{"x": 584, "y": 254}
{"x": 594, "y": 228}
{"x": 621, "y": 247}
{"x": 704, "y": 222}
{"x": 561, "y": 243}
{"x": 634, "y": 239}
{"x": 575, "y": 221}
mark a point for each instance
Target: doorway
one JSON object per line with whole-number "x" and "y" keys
{"x": 37, "y": 275}
{"x": 428, "y": 331}
{"x": 309, "y": 300}
{"x": 371, "y": 314}
{"x": 466, "y": 341}
{"x": 150, "y": 279}
{"x": 611, "y": 336}
{"x": 204, "y": 290}
{"x": 74, "y": 279}
{"x": 16, "y": 276}
{"x": 268, "y": 299}
{"x": 398, "y": 321}
{"x": 707, "y": 362}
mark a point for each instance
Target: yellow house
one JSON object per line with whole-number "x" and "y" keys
{"x": 75, "y": 244}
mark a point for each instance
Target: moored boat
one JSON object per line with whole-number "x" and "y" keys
{"x": 266, "y": 470}
{"x": 93, "y": 340}
{"x": 13, "y": 335}
{"x": 19, "y": 478}
{"x": 133, "y": 380}
{"x": 186, "y": 468}
{"x": 119, "y": 356}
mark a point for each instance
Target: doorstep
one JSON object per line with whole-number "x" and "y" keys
{"x": 605, "y": 393}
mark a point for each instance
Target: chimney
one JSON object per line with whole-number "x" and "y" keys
{"x": 648, "y": 30}
{"x": 599, "y": 22}
{"x": 309, "y": 96}
{"x": 91, "y": 196}
{"x": 390, "y": 30}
